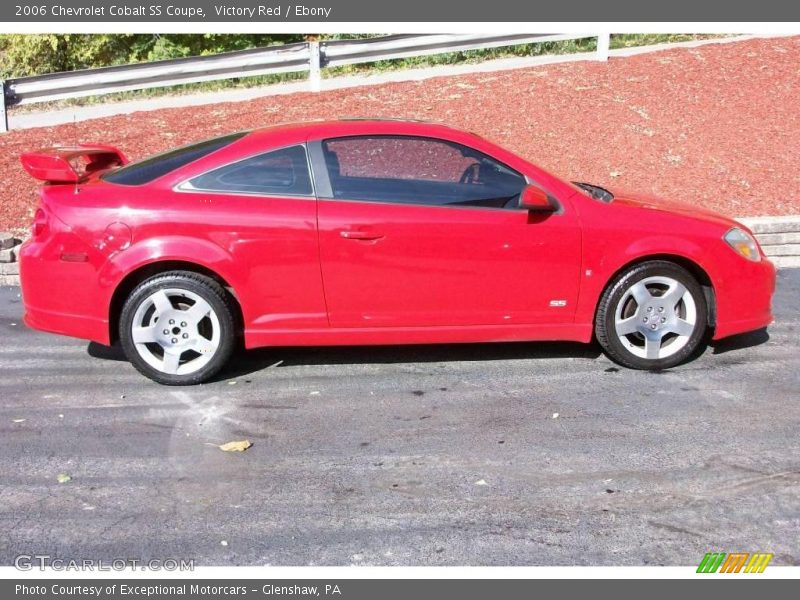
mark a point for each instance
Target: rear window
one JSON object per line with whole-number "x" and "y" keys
{"x": 281, "y": 172}
{"x": 152, "y": 168}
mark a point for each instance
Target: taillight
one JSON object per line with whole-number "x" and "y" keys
{"x": 39, "y": 223}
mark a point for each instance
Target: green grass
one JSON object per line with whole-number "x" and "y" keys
{"x": 627, "y": 40}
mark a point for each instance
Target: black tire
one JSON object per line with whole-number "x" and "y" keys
{"x": 623, "y": 349}
{"x": 193, "y": 283}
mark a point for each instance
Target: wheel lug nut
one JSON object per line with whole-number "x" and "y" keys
{"x": 643, "y": 321}
{"x": 166, "y": 332}
{"x": 183, "y": 323}
{"x": 663, "y": 319}
{"x": 185, "y": 336}
{"x": 649, "y": 309}
{"x": 660, "y": 309}
{"x": 653, "y": 326}
{"x": 174, "y": 340}
{"x": 172, "y": 321}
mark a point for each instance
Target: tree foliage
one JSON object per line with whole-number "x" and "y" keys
{"x": 22, "y": 55}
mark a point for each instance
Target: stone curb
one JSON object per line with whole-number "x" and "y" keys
{"x": 783, "y": 224}
{"x": 10, "y": 268}
{"x": 778, "y": 236}
{"x": 9, "y": 252}
{"x": 7, "y": 240}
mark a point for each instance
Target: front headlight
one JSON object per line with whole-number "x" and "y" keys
{"x": 744, "y": 244}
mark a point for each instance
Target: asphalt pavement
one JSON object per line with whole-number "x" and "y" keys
{"x": 504, "y": 454}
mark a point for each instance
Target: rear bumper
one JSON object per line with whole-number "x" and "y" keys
{"x": 61, "y": 297}
{"x": 77, "y": 326}
{"x": 744, "y": 299}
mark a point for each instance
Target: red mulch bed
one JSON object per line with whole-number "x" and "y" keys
{"x": 718, "y": 125}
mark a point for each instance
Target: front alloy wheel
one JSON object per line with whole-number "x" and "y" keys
{"x": 652, "y": 317}
{"x": 177, "y": 328}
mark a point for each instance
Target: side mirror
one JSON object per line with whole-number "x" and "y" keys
{"x": 534, "y": 199}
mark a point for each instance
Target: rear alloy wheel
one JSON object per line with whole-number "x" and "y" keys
{"x": 178, "y": 328}
{"x": 654, "y": 316}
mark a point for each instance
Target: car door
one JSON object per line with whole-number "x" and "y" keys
{"x": 262, "y": 210}
{"x": 423, "y": 232}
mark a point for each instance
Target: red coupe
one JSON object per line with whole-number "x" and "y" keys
{"x": 371, "y": 232}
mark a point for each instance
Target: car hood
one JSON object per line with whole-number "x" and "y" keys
{"x": 648, "y": 202}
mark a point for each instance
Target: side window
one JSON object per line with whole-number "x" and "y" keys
{"x": 418, "y": 170}
{"x": 278, "y": 173}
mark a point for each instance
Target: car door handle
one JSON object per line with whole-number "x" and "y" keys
{"x": 360, "y": 235}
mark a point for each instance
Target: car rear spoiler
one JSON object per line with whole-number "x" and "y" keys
{"x": 70, "y": 164}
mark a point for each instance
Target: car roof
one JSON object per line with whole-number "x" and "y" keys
{"x": 355, "y": 126}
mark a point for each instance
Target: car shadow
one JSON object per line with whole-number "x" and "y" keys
{"x": 740, "y": 342}
{"x": 245, "y": 362}
{"x": 250, "y": 361}
{"x": 114, "y": 352}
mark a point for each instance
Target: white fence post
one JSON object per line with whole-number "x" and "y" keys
{"x": 603, "y": 43}
{"x": 3, "y": 111}
{"x": 315, "y": 73}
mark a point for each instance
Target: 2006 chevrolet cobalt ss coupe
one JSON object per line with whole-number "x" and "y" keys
{"x": 371, "y": 232}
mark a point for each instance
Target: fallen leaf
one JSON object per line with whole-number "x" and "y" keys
{"x": 224, "y": 543}
{"x": 63, "y": 478}
{"x": 238, "y": 446}
{"x": 481, "y": 482}
{"x": 555, "y": 415}
{"x": 18, "y": 421}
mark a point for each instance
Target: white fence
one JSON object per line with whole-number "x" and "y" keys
{"x": 305, "y": 56}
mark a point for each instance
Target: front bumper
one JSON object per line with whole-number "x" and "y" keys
{"x": 744, "y": 298}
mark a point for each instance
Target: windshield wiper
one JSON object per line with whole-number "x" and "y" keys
{"x": 595, "y": 191}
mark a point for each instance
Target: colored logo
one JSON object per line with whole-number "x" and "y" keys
{"x": 735, "y": 562}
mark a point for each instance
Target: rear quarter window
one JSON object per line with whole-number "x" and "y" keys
{"x": 150, "y": 169}
{"x": 282, "y": 172}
